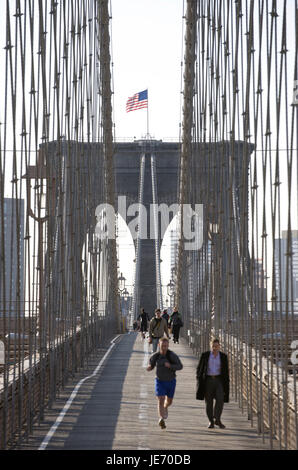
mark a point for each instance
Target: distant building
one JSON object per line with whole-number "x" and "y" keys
{"x": 280, "y": 262}
{"x": 13, "y": 282}
{"x": 260, "y": 285}
{"x": 174, "y": 241}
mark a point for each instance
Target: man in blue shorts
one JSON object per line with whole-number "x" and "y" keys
{"x": 166, "y": 362}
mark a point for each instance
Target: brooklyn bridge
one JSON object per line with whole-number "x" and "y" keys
{"x": 223, "y": 194}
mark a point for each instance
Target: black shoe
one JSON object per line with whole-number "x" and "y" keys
{"x": 211, "y": 425}
{"x": 219, "y": 423}
{"x": 162, "y": 424}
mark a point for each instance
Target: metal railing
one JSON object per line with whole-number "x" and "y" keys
{"x": 58, "y": 279}
{"x": 240, "y": 131}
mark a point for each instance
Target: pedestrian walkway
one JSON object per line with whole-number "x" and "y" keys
{"x": 117, "y": 409}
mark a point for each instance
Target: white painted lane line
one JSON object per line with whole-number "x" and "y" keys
{"x": 143, "y": 408}
{"x": 59, "y": 420}
{"x": 147, "y": 354}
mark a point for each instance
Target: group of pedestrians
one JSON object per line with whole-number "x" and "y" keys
{"x": 212, "y": 372}
{"x": 160, "y": 325}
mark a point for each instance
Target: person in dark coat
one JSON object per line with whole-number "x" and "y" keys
{"x": 176, "y": 323}
{"x": 165, "y": 315}
{"x": 144, "y": 319}
{"x": 213, "y": 382}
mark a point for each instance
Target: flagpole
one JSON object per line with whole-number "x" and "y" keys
{"x": 147, "y": 115}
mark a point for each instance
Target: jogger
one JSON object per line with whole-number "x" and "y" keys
{"x": 167, "y": 363}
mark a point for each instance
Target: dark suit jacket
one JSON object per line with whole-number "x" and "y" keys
{"x": 202, "y": 372}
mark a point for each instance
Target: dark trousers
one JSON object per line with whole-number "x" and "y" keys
{"x": 214, "y": 390}
{"x": 175, "y": 331}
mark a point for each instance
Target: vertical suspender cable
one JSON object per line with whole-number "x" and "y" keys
{"x": 136, "y": 289}
{"x": 159, "y": 302}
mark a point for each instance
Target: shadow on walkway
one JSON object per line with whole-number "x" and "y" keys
{"x": 91, "y": 421}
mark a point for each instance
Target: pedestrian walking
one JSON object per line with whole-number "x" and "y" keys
{"x": 176, "y": 323}
{"x": 165, "y": 315}
{"x": 213, "y": 382}
{"x": 167, "y": 363}
{"x": 143, "y": 319}
{"x": 158, "y": 327}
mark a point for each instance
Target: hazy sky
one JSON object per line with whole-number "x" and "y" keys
{"x": 147, "y": 48}
{"x": 147, "y": 52}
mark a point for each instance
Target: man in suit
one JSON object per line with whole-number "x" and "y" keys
{"x": 213, "y": 382}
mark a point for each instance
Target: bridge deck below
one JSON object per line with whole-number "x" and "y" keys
{"x": 117, "y": 409}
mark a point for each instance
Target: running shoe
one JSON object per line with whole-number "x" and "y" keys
{"x": 162, "y": 424}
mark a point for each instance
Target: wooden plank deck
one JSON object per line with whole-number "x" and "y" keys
{"x": 117, "y": 409}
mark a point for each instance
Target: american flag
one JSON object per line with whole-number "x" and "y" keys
{"x": 137, "y": 101}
